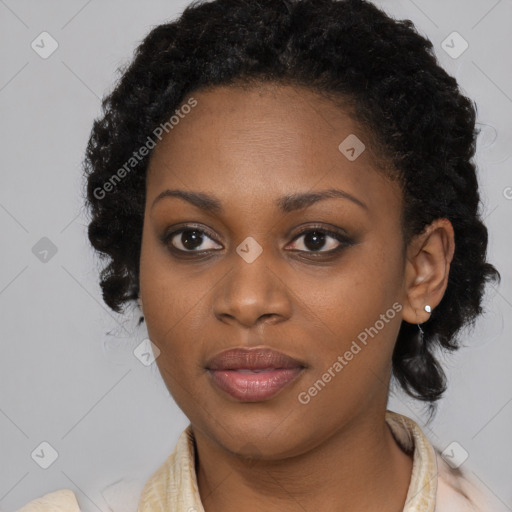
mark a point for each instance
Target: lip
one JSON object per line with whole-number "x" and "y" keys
{"x": 253, "y": 375}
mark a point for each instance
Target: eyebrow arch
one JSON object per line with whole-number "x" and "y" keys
{"x": 286, "y": 204}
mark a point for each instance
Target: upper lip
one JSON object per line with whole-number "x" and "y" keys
{"x": 252, "y": 359}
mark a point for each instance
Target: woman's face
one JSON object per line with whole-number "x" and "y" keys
{"x": 333, "y": 305}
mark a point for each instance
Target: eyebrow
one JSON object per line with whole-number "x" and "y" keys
{"x": 286, "y": 204}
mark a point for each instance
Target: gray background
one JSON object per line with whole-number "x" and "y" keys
{"x": 68, "y": 375}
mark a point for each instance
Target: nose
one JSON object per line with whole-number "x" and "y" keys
{"x": 252, "y": 293}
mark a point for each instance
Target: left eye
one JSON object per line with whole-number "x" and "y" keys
{"x": 314, "y": 239}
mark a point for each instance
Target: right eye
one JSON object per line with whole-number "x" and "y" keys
{"x": 189, "y": 240}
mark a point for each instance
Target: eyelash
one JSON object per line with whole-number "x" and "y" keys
{"x": 344, "y": 240}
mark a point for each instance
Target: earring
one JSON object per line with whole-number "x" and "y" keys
{"x": 428, "y": 309}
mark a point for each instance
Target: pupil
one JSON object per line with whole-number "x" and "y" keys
{"x": 191, "y": 235}
{"x": 318, "y": 240}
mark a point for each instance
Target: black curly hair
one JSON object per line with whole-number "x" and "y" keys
{"x": 413, "y": 113}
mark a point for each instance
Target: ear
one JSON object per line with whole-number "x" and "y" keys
{"x": 427, "y": 267}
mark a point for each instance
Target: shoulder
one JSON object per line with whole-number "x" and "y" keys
{"x": 120, "y": 496}
{"x": 457, "y": 491}
{"x": 434, "y": 482}
{"x": 63, "y": 500}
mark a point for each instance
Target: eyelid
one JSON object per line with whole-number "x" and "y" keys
{"x": 336, "y": 232}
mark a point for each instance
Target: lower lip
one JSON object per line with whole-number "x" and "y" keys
{"x": 254, "y": 387}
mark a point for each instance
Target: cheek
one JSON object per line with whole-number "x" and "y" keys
{"x": 376, "y": 272}
{"x": 355, "y": 311}
{"x": 172, "y": 306}
{"x": 170, "y": 299}
{"x": 355, "y": 292}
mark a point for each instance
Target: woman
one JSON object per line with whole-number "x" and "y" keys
{"x": 287, "y": 190}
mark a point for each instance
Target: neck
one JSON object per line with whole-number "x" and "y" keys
{"x": 359, "y": 468}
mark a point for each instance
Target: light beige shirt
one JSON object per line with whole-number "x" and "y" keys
{"x": 434, "y": 485}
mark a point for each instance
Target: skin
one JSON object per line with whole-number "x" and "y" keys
{"x": 248, "y": 147}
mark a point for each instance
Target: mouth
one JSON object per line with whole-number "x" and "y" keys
{"x": 254, "y": 386}
{"x": 253, "y": 375}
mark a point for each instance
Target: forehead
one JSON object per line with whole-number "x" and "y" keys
{"x": 264, "y": 142}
